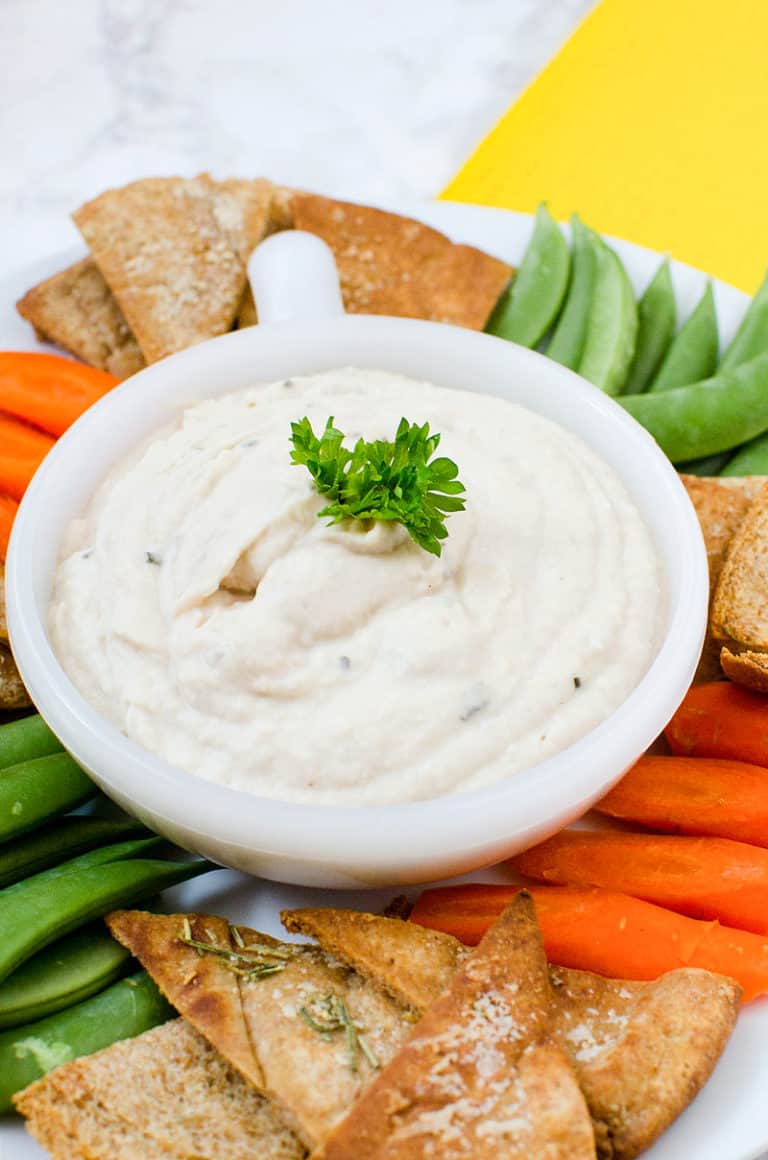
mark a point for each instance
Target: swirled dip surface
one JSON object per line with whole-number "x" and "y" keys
{"x": 202, "y": 605}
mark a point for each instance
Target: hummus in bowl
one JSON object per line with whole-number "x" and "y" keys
{"x": 202, "y": 606}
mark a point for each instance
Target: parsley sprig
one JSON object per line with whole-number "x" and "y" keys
{"x": 383, "y": 480}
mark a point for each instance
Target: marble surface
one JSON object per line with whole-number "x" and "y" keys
{"x": 363, "y": 98}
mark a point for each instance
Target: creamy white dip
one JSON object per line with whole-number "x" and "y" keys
{"x": 203, "y": 607}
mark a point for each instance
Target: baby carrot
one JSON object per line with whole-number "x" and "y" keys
{"x": 21, "y": 441}
{"x": 22, "y": 450}
{"x": 693, "y": 795}
{"x": 701, "y": 877}
{"x": 605, "y": 932}
{"x": 721, "y": 719}
{"x": 8, "y": 509}
{"x": 48, "y": 390}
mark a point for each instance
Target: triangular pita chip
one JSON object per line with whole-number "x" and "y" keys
{"x": 390, "y": 264}
{"x": 171, "y": 250}
{"x": 77, "y": 310}
{"x": 479, "y": 1078}
{"x": 166, "y": 1094}
{"x": 640, "y": 1051}
{"x": 271, "y": 1026}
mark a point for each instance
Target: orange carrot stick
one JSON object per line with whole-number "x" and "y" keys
{"x": 47, "y": 390}
{"x": 721, "y": 720}
{"x": 22, "y": 450}
{"x": 701, "y": 877}
{"x": 15, "y": 474}
{"x": 20, "y": 441}
{"x": 8, "y": 509}
{"x": 605, "y": 932}
{"x": 693, "y": 795}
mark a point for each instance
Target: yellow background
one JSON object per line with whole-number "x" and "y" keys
{"x": 652, "y": 123}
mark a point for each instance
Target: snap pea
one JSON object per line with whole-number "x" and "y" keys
{"x": 529, "y": 306}
{"x": 567, "y": 342}
{"x": 692, "y": 355}
{"x": 122, "y": 1011}
{"x": 36, "y": 912}
{"x": 708, "y": 417}
{"x": 611, "y": 326}
{"x": 751, "y": 339}
{"x": 72, "y": 969}
{"x": 26, "y": 739}
{"x": 656, "y": 312}
{"x": 751, "y": 459}
{"x": 58, "y": 841}
{"x": 36, "y": 790}
{"x": 708, "y": 465}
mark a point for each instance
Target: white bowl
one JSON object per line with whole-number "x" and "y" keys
{"x": 346, "y": 846}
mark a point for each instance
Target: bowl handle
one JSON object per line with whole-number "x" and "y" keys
{"x": 294, "y": 278}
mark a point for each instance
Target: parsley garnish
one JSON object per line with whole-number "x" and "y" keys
{"x": 380, "y": 480}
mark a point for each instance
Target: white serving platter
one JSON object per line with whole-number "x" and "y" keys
{"x": 729, "y": 1118}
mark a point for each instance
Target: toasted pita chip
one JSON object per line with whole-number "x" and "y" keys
{"x": 171, "y": 266}
{"x": 411, "y": 963}
{"x": 77, "y": 310}
{"x": 721, "y": 506}
{"x": 394, "y": 265}
{"x": 479, "y": 1077}
{"x": 746, "y": 668}
{"x": 740, "y": 605}
{"x": 164, "y": 1094}
{"x": 641, "y": 1051}
{"x": 271, "y": 1027}
{"x": 242, "y": 208}
{"x": 624, "y": 1039}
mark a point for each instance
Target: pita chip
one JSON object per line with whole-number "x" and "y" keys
{"x": 167, "y": 250}
{"x": 480, "y": 1076}
{"x": 304, "y": 1030}
{"x": 640, "y": 1051}
{"x": 165, "y": 1094}
{"x": 739, "y": 616}
{"x": 76, "y": 310}
{"x": 390, "y": 264}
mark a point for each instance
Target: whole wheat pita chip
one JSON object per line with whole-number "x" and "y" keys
{"x": 167, "y": 258}
{"x": 740, "y": 605}
{"x": 390, "y": 264}
{"x": 166, "y": 1094}
{"x": 640, "y": 1051}
{"x": 77, "y": 310}
{"x": 271, "y": 1026}
{"x": 479, "y": 1078}
{"x": 721, "y": 506}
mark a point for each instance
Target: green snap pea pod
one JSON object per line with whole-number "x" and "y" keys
{"x": 36, "y": 790}
{"x": 751, "y": 459}
{"x": 25, "y": 739}
{"x": 708, "y": 417}
{"x": 612, "y": 324}
{"x": 72, "y": 969}
{"x": 751, "y": 339}
{"x": 529, "y": 306}
{"x": 101, "y": 856}
{"x": 122, "y": 1011}
{"x": 692, "y": 355}
{"x": 656, "y": 314}
{"x": 58, "y": 841}
{"x": 708, "y": 465}
{"x": 36, "y": 912}
{"x": 567, "y": 343}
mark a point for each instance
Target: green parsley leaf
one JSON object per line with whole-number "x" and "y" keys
{"x": 381, "y": 480}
